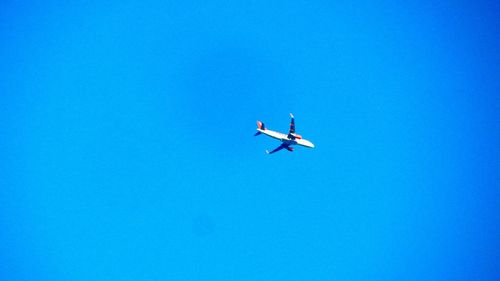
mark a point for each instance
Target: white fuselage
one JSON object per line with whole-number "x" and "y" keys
{"x": 284, "y": 138}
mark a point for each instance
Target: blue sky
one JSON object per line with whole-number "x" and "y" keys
{"x": 126, "y": 147}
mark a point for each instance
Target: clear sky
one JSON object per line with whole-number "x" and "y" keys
{"x": 127, "y": 148}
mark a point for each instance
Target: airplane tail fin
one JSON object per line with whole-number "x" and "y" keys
{"x": 260, "y": 125}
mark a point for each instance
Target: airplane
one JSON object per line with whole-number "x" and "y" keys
{"x": 287, "y": 140}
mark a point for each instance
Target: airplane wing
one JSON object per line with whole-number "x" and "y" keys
{"x": 283, "y": 145}
{"x": 277, "y": 149}
{"x": 292, "y": 125}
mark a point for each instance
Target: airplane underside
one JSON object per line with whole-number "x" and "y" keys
{"x": 287, "y": 139}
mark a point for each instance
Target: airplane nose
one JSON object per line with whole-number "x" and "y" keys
{"x": 309, "y": 144}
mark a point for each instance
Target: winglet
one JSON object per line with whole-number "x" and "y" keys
{"x": 291, "y": 115}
